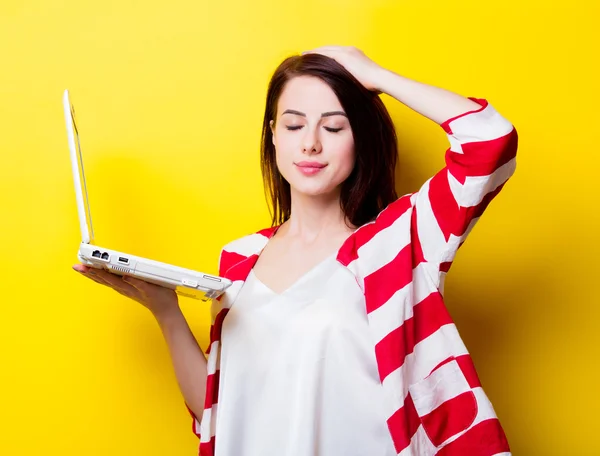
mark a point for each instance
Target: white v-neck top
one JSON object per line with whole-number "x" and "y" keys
{"x": 298, "y": 375}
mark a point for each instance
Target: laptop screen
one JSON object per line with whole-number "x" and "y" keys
{"x": 80, "y": 183}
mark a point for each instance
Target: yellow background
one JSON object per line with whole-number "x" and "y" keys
{"x": 170, "y": 98}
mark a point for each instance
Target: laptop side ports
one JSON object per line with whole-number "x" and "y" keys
{"x": 101, "y": 255}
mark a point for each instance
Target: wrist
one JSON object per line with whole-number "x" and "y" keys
{"x": 386, "y": 80}
{"x": 168, "y": 316}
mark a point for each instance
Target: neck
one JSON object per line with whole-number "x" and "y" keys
{"x": 313, "y": 217}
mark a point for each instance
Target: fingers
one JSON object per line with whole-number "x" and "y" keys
{"x": 81, "y": 268}
{"x": 90, "y": 274}
{"x": 110, "y": 280}
{"x": 128, "y": 286}
{"x": 136, "y": 283}
{"x": 328, "y": 50}
{"x": 322, "y": 51}
{"x": 118, "y": 284}
{"x": 105, "y": 276}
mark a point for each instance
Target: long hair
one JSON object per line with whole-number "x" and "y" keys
{"x": 370, "y": 187}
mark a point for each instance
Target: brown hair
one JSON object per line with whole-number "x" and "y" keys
{"x": 371, "y": 184}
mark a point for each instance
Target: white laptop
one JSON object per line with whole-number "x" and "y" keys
{"x": 185, "y": 282}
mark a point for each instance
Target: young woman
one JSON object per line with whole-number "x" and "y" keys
{"x": 334, "y": 338}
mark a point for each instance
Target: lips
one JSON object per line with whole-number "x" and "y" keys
{"x": 310, "y": 164}
{"x": 310, "y": 168}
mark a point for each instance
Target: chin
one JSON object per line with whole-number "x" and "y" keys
{"x": 312, "y": 188}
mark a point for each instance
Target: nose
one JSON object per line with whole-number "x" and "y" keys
{"x": 310, "y": 142}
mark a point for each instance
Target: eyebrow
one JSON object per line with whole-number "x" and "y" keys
{"x": 325, "y": 114}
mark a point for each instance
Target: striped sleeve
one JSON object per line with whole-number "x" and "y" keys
{"x": 480, "y": 159}
{"x": 436, "y": 404}
{"x": 235, "y": 261}
{"x": 201, "y": 426}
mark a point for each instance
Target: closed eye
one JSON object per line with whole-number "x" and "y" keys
{"x": 331, "y": 130}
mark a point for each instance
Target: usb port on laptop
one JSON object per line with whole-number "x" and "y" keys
{"x": 123, "y": 260}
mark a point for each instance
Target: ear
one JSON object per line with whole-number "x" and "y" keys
{"x": 272, "y": 125}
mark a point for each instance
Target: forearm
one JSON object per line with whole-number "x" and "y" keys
{"x": 187, "y": 358}
{"x": 434, "y": 103}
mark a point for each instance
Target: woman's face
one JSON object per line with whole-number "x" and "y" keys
{"x": 312, "y": 137}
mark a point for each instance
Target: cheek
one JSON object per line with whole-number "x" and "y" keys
{"x": 346, "y": 159}
{"x": 284, "y": 160}
{"x": 287, "y": 151}
{"x": 285, "y": 145}
{"x": 282, "y": 151}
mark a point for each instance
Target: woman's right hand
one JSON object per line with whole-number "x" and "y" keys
{"x": 159, "y": 300}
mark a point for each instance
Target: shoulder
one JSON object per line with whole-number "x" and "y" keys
{"x": 244, "y": 247}
{"x": 389, "y": 219}
{"x": 377, "y": 237}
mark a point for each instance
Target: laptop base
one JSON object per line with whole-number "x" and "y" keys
{"x": 185, "y": 282}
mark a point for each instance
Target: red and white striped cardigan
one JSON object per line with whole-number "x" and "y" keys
{"x": 400, "y": 260}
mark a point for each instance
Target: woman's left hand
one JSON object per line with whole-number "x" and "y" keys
{"x": 354, "y": 61}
